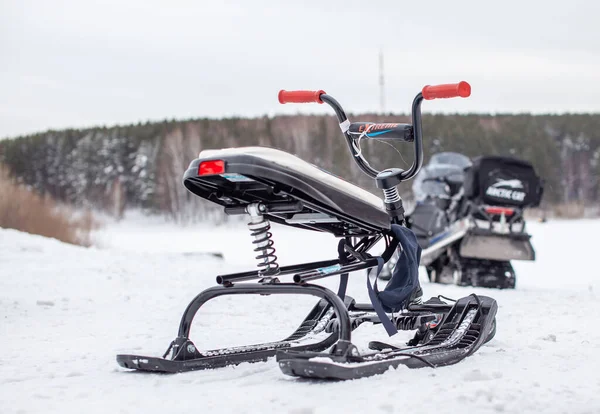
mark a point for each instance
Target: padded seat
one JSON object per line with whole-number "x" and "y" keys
{"x": 284, "y": 168}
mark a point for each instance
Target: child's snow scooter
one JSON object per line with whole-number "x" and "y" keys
{"x": 271, "y": 185}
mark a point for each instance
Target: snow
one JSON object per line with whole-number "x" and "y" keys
{"x": 67, "y": 311}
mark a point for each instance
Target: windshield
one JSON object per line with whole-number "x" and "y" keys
{"x": 447, "y": 165}
{"x": 452, "y": 158}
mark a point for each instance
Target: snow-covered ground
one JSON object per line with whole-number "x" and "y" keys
{"x": 67, "y": 311}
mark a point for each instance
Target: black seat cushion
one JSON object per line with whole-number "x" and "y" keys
{"x": 280, "y": 167}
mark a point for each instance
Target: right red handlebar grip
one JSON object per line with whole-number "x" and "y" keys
{"x": 449, "y": 90}
{"x": 300, "y": 96}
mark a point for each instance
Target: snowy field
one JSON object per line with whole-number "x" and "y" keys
{"x": 67, "y": 311}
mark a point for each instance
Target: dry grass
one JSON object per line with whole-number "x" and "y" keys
{"x": 569, "y": 210}
{"x": 25, "y": 210}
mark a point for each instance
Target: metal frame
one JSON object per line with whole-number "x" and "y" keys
{"x": 352, "y": 256}
{"x": 267, "y": 289}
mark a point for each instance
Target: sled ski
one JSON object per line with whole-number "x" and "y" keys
{"x": 184, "y": 356}
{"x": 464, "y": 329}
{"x": 272, "y": 186}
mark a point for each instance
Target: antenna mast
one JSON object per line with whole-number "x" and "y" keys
{"x": 381, "y": 84}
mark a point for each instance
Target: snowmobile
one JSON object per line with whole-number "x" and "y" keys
{"x": 272, "y": 186}
{"x": 468, "y": 218}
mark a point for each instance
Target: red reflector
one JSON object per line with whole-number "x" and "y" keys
{"x": 500, "y": 210}
{"x": 211, "y": 167}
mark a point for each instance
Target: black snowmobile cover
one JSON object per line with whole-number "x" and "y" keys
{"x": 499, "y": 180}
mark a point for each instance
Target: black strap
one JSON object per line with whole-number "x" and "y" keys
{"x": 387, "y": 324}
{"x": 343, "y": 285}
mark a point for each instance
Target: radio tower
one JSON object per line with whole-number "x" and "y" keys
{"x": 381, "y": 84}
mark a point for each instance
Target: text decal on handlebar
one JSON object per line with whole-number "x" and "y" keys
{"x": 376, "y": 127}
{"x": 403, "y": 132}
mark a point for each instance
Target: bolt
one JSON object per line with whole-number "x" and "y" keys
{"x": 191, "y": 348}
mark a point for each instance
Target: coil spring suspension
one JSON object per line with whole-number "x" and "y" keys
{"x": 259, "y": 229}
{"x": 391, "y": 195}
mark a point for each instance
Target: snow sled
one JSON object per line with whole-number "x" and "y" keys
{"x": 469, "y": 218}
{"x": 271, "y": 186}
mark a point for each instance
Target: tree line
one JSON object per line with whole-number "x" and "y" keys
{"x": 141, "y": 165}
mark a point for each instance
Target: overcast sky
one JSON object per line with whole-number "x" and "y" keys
{"x": 83, "y": 63}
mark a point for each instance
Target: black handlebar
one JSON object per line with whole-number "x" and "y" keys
{"x": 388, "y": 179}
{"x": 407, "y": 133}
{"x": 354, "y": 132}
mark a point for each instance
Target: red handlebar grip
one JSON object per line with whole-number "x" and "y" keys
{"x": 449, "y": 90}
{"x": 300, "y": 96}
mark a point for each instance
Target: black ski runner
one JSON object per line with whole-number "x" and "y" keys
{"x": 462, "y": 332}
{"x": 185, "y": 356}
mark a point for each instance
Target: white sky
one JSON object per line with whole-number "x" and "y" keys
{"x": 83, "y": 63}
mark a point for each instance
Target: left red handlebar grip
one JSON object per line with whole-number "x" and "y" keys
{"x": 300, "y": 96}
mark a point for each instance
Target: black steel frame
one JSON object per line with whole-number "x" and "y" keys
{"x": 267, "y": 289}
